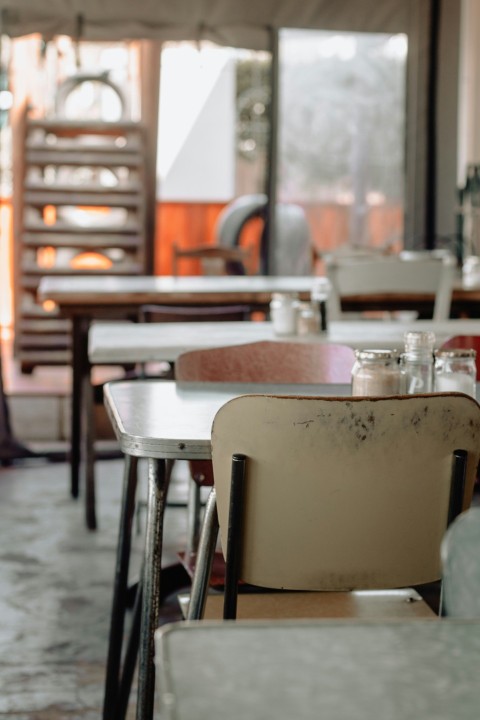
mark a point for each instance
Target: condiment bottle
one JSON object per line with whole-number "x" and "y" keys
{"x": 308, "y": 320}
{"x": 376, "y": 372}
{"x": 418, "y": 362}
{"x": 456, "y": 371}
{"x": 283, "y": 313}
{"x": 320, "y": 293}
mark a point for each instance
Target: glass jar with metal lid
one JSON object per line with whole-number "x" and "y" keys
{"x": 417, "y": 362}
{"x": 376, "y": 372}
{"x": 455, "y": 371}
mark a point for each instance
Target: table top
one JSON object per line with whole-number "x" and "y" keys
{"x": 109, "y": 290}
{"x": 168, "y": 419}
{"x": 425, "y": 669}
{"x": 165, "y": 419}
{"x": 120, "y": 342}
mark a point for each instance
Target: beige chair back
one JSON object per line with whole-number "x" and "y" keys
{"x": 391, "y": 276}
{"x": 343, "y": 493}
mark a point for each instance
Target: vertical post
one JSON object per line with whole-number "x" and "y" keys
{"x": 431, "y": 170}
{"x": 150, "y": 93}
{"x": 457, "y": 488}
{"x": 268, "y": 261}
{"x": 234, "y": 536}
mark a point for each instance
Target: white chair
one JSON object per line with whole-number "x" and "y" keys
{"x": 461, "y": 566}
{"x": 390, "y": 276}
{"x": 333, "y": 494}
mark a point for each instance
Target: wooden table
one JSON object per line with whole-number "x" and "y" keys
{"x": 160, "y": 420}
{"x": 85, "y": 298}
{"x": 427, "y": 669}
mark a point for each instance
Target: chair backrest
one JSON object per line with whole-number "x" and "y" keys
{"x": 214, "y": 259}
{"x": 391, "y": 276}
{"x": 268, "y": 361}
{"x": 175, "y": 313}
{"x": 461, "y": 566}
{"x": 343, "y": 493}
{"x": 464, "y": 342}
{"x": 234, "y": 216}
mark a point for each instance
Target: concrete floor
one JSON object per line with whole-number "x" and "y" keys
{"x": 56, "y": 585}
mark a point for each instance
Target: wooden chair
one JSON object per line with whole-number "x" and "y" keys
{"x": 275, "y": 362}
{"x": 461, "y": 566}
{"x": 333, "y": 494}
{"x": 225, "y": 255}
{"x": 391, "y": 276}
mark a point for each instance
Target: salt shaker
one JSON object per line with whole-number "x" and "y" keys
{"x": 283, "y": 313}
{"x": 376, "y": 372}
{"x": 308, "y": 320}
{"x": 455, "y": 371}
{"x": 418, "y": 362}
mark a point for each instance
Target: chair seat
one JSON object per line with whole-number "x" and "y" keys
{"x": 382, "y": 604}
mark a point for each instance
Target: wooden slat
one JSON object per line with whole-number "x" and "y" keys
{"x": 130, "y": 226}
{"x": 30, "y": 270}
{"x": 81, "y": 241}
{"x": 41, "y": 198}
{"x": 83, "y": 158}
{"x": 42, "y": 340}
{"x": 132, "y": 144}
{"x": 125, "y": 186}
{"x": 43, "y": 325}
{"x": 43, "y": 357}
{"x": 82, "y": 127}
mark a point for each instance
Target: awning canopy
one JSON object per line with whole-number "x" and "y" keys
{"x": 228, "y": 22}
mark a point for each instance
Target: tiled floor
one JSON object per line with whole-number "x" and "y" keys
{"x": 55, "y": 589}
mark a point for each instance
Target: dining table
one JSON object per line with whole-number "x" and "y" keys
{"x": 84, "y": 298}
{"x": 335, "y": 669}
{"x": 160, "y": 421}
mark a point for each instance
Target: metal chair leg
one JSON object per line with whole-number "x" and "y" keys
{"x": 193, "y": 519}
{"x": 206, "y": 551}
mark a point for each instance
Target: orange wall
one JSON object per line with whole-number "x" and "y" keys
{"x": 191, "y": 224}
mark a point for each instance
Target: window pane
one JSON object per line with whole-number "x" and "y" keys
{"x": 342, "y": 134}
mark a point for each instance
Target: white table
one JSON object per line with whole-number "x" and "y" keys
{"x": 426, "y": 670}
{"x": 123, "y": 342}
{"x": 160, "y": 420}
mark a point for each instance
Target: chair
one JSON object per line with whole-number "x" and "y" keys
{"x": 461, "y": 566}
{"x": 292, "y": 253}
{"x": 333, "y": 494}
{"x": 464, "y": 342}
{"x": 275, "y": 362}
{"x": 390, "y": 276}
{"x": 226, "y": 255}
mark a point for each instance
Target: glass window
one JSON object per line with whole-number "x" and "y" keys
{"x": 342, "y": 134}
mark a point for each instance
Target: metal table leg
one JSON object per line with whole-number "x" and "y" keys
{"x": 119, "y": 604}
{"x": 80, "y": 369}
{"x": 157, "y": 492}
